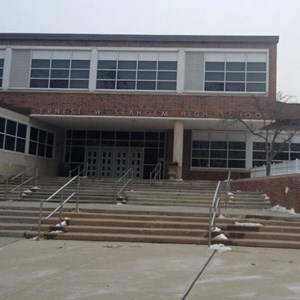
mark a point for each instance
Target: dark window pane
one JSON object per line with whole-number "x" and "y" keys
{"x": 215, "y": 76}
{"x": 106, "y": 74}
{"x": 215, "y": 163}
{"x": 281, "y": 156}
{"x": 2, "y": 124}
{"x": 166, "y": 85}
{"x": 49, "y": 151}
{"x": 200, "y": 153}
{"x": 237, "y": 154}
{"x": 252, "y": 66}
{"x": 147, "y": 75}
{"x": 107, "y": 64}
{"x": 201, "y": 144}
{"x": 60, "y": 63}
{"x": 80, "y": 74}
{"x": 214, "y": 86}
{"x": 1, "y": 72}
{"x": 295, "y": 147}
{"x": 1, "y": 63}
{"x": 259, "y": 146}
{"x": 41, "y": 150}
{"x": 256, "y": 87}
{"x": 1, "y": 140}
{"x": 167, "y": 75}
{"x": 79, "y": 134}
{"x": 146, "y": 85}
{"x": 20, "y": 145}
{"x": 108, "y": 135}
{"x": 126, "y": 64}
{"x": 38, "y": 73}
{"x": 235, "y": 66}
{"x": 93, "y": 135}
{"x": 137, "y": 136}
{"x": 167, "y": 65}
{"x": 218, "y": 154}
{"x": 259, "y": 155}
{"x": 21, "y": 130}
{"x": 40, "y": 63}
{"x": 294, "y": 156}
{"x": 77, "y": 154}
{"x": 32, "y": 148}
{"x": 147, "y": 65}
{"x": 42, "y": 136}
{"x": 200, "y": 163}
{"x": 122, "y": 135}
{"x": 152, "y": 136}
{"x": 11, "y": 127}
{"x": 105, "y": 85}
{"x": 79, "y": 84}
{"x": 10, "y": 143}
{"x": 218, "y": 145}
{"x": 60, "y": 74}
{"x": 214, "y": 66}
{"x": 126, "y": 85}
{"x": 237, "y": 145}
{"x": 151, "y": 156}
{"x": 126, "y": 75}
{"x": 33, "y": 134}
{"x": 80, "y": 64}
{"x": 236, "y": 164}
{"x": 50, "y": 138}
{"x": 38, "y": 83}
{"x": 235, "y": 76}
{"x": 235, "y": 87}
{"x": 256, "y": 77}
{"x": 59, "y": 84}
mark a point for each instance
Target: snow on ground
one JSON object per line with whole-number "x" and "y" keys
{"x": 282, "y": 209}
{"x": 220, "y": 248}
{"x": 248, "y": 224}
{"x": 216, "y": 229}
{"x": 221, "y": 237}
{"x": 61, "y": 224}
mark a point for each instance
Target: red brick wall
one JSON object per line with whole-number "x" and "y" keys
{"x": 275, "y": 188}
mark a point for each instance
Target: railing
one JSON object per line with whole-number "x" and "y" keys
{"x": 155, "y": 173}
{"x": 286, "y": 167}
{"x": 228, "y": 188}
{"x": 214, "y": 211}
{"x": 81, "y": 168}
{"x": 23, "y": 180}
{"x": 62, "y": 202}
{"x": 122, "y": 183}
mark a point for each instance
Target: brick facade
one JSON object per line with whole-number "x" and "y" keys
{"x": 283, "y": 190}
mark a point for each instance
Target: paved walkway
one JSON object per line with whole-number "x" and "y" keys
{"x": 52, "y": 269}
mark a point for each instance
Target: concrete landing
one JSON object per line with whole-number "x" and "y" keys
{"x": 103, "y": 270}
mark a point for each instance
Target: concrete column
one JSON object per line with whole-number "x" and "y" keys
{"x": 6, "y": 70}
{"x": 178, "y": 146}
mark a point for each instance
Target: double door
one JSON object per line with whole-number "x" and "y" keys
{"x": 114, "y": 162}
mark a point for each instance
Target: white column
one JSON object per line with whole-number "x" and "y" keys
{"x": 180, "y": 71}
{"x": 93, "y": 70}
{"x": 6, "y": 70}
{"x": 178, "y": 146}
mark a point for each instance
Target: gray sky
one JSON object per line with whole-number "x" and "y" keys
{"x": 190, "y": 17}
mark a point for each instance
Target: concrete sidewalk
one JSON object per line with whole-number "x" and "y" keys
{"x": 52, "y": 269}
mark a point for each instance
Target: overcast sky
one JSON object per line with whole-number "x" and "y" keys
{"x": 183, "y": 17}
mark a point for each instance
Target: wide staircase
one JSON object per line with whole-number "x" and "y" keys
{"x": 162, "y": 212}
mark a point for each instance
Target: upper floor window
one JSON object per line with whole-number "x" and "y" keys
{"x": 137, "y": 71}
{"x": 1, "y": 71}
{"x": 59, "y": 70}
{"x": 12, "y": 135}
{"x": 236, "y": 72}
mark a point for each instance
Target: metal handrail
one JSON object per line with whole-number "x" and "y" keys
{"x": 156, "y": 172}
{"x": 228, "y": 188}
{"x": 62, "y": 203}
{"x": 78, "y": 168}
{"x": 23, "y": 182}
{"x": 214, "y": 211}
{"x": 126, "y": 178}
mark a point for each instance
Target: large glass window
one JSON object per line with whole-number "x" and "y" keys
{"x": 1, "y": 70}
{"x": 218, "y": 154}
{"x": 224, "y": 74}
{"x": 285, "y": 153}
{"x": 12, "y": 135}
{"x": 60, "y": 73}
{"x": 136, "y": 75}
{"x": 41, "y": 142}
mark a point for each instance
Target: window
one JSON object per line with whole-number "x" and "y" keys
{"x": 136, "y": 74}
{"x": 286, "y": 153}
{"x": 236, "y": 72}
{"x": 12, "y": 135}
{"x": 59, "y": 73}
{"x": 210, "y": 153}
{"x": 41, "y": 143}
{"x": 1, "y": 70}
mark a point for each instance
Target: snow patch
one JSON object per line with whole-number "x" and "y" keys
{"x": 35, "y": 188}
{"x": 248, "y": 224}
{"x": 266, "y": 197}
{"x": 28, "y": 191}
{"x": 119, "y": 203}
{"x": 220, "y": 248}
{"x": 216, "y": 229}
{"x": 230, "y": 194}
{"x": 221, "y": 217}
{"x": 61, "y": 224}
{"x": 279, "y": 208}
{"x": 56, "y": 231}
{"x": 221, "y": 237}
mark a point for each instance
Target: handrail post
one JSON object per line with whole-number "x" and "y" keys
{"x": 40, "y": 220}
{"x": 77, "y": 194}
{"x": 61, "y": 201}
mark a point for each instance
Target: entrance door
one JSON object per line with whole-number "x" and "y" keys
{"x": 92, "y": 161}
{"x": 106, "y": 163}
{"x": 121, "y": 161}
{"x": 136, "y": 162}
